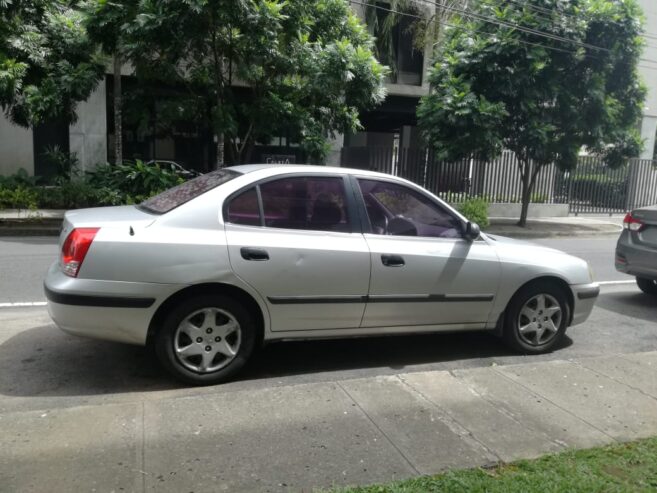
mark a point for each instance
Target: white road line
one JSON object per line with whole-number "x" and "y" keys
{"x": 23, "y": 303}
{"x": 613, "y": 283}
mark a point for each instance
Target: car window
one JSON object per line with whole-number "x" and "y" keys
{"x": 177, "y": 196}
{"x": 311, "y": 203}
{"x": 244, "y": 209}
{"x": 394, "y": 209}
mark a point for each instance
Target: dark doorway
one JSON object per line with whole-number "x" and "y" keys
{"x": 48, "y": 136}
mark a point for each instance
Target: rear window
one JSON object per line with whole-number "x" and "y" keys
{"x": 177, "y": 196}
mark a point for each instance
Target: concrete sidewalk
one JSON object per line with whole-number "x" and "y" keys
{"x": 48, "y": 223}
{"x": 297, "y": 438}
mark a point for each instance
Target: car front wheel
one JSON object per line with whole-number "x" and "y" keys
{"x": 648, "y": 286}
{"x": 206, "y": 340}
{"x": 536, "y": 318}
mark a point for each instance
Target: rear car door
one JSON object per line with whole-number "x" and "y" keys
{"x": 293, "y": 239}
{"x": 423, "y": 271}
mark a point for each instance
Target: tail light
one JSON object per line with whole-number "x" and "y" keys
{"x": 75, "y": 248}
{"x": 632, "y": 223}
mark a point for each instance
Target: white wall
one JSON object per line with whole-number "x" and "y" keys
{"x": 88, "y": 135}
{"x": 648, "y": 72}
{"x": 16, "y": 147}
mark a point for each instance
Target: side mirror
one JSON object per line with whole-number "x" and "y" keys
{"x": 472, "y": 231}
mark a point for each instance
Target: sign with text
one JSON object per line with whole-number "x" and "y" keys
{"x": 279, "y": 158}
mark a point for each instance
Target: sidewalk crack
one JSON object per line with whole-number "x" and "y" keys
{"x": 143, "y": 445}
{"x": 453, "y": 423}
{"x": 568, "y": 411}
{"x": 614, "y": 379}
{"x": 393, "y": 444}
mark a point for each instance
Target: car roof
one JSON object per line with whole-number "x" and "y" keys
{"x": 276, "y": 169}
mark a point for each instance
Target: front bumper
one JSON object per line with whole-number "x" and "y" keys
{"x": 584, "y": 296}
{"x": 110, "y": 310}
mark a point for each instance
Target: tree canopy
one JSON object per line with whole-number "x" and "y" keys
{"x": 47, "y": 62}
{"x": 543, "y": 78}
{"x": 250, "y": 70}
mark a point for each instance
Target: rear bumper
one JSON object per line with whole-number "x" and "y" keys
{"x": 635, "y": 259}
{"x": 584, "y": 296}
{"x": 110, "y": 310}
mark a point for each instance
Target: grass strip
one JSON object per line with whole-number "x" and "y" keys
{"x": 626, "y": 467}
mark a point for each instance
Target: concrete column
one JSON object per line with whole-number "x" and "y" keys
{"x": 333, "y": 157}
{"x": 16, "y": 147}
{"x": 88, "y": 135}
{"x": 648, "y": 129}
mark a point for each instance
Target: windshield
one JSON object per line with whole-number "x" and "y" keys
{"x": 176, "y": 196}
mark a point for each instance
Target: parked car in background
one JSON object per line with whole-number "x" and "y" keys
{"x": 210, "y": 269}
{"x": 636, "y": 250}
{"x": 175, "y": 167}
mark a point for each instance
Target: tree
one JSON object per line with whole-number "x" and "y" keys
{"x": 47, "y": 62}
{"x": 254, "y": 69}
{"x": 496, "y": 86}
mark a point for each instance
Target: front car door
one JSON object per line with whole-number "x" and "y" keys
{"x": 424, "y": 273}
{"x": 294, "y": 240}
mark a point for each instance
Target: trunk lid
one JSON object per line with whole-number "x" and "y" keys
{"x": 648, "y": 234}
{"x": 124, "y": 216}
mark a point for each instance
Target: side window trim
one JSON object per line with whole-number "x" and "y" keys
{"x": 351, "y": 204}
{"x": 367, "y": 227}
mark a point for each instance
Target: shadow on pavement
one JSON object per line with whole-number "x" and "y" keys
{"x": 635, "y": 304}
{"x": 44, "y": 361}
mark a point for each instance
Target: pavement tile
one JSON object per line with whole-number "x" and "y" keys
{"x": 612, "y": 407}
{"x": 90, "y": 448}
{"x": 283, "y": 439}
{"x": 427, "y": 437}
{"x": 500, "y": 432}
{"x": 637, "y": 371}
{"x": 532, "y": 410}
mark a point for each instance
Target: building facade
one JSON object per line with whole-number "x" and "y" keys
{"x": 392, "y": 125}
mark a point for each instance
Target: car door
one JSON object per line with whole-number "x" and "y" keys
{"x": 293, "y": 239}
{"x": 423, "y": 271}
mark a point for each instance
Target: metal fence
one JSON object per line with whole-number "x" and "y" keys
{"x": 592, "y": 187}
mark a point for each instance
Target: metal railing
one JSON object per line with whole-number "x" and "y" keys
{"x": 592, "y": 187}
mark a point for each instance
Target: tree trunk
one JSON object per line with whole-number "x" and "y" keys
{"x": 526, "y": 193}
{"x": 118, "y": 117}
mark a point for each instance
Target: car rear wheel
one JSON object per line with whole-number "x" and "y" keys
{"x": 648, "y": 286}
{"x": 206, "y": 340}
{"x": 536, "y": 318}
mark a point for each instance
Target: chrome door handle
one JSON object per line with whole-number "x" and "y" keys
{"x": 392, "y": 260}
{"x": 254, "y": 254}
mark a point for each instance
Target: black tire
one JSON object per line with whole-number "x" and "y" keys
{"x": 648, "y": 286}
{"x": 527, "y": 294}
{"x": 166, "y": 337}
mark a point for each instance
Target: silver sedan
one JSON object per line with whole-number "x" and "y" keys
{"x": 209, "y": 270}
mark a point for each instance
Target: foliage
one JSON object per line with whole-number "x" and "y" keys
{"x": 128, "y": 183}
{"x": 66, "y": 164}
{"x": 475, "y": 210}
{"x": 133, "y": 181}
{"x": 619, "y": 467}
{"x": 47, "y": 62}
{"x": 305, "y": 69}
{"x": 20, "y": 197}
{"x": 496, "y": 87}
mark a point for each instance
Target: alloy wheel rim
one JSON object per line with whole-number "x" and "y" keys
{"x": 207, "y": 340}
{"x": 539, "y": 320}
